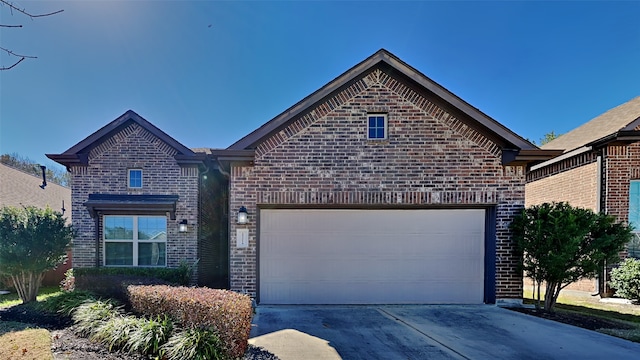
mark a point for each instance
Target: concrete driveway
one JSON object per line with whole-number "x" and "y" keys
{"x": 425, "y": 332}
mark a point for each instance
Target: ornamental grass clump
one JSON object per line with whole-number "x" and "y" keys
{"x": 116, "y": 331}
{"x": 195, "y": 344}
{"x": 150, "y": 335}
{"x": 89, "y": 316}
{"x": 226, "y": 313}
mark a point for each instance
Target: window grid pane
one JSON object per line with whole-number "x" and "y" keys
{"x": 152, "y": 228}
{"x": 135, "y": 178}
{"x": 377, "y": 127}
{"x": 118, "y": 253}
{"x": 118, "y": 228}
{"x": 152, "y": 254}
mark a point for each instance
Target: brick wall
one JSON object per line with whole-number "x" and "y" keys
{"x": 577, "y": 186}
{"x": 430, "y": 159}
{"x": 622, "y": 164}
{"x": 134, "y": 147}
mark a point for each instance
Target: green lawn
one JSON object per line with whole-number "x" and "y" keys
{"x": 13, "y": 299}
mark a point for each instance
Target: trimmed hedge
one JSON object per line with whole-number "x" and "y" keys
{"x": 113, "y": 281}
{"x": 178, "y": 276}
{"x": 227, "y": 312}
{"x": 113, "y": 286}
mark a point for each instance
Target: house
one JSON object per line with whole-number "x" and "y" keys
{"x": 599, "y": 169}
{"x": 380, "y": 187}
{"x": 18, "y": 188}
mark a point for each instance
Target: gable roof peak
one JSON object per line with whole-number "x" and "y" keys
{"x": 406, "y": 71}
{"x": 79, "y": 152}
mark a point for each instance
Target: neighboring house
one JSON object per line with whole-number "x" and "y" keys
{"x": 380, "y": 187}
{"x": 18, "y": 188}
{"x": 598, "y": 170}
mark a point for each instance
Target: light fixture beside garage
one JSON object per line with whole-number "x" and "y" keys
{"x": 182, "y": 226}
{"x": 243, "y": 216}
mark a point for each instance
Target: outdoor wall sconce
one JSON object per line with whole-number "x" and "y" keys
{"x": 243, "y": 216}
{"x": 182, "y": 226}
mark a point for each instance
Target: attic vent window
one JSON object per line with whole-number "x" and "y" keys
{"x": 135, "y": 178}
{"x": 377, "y": 126}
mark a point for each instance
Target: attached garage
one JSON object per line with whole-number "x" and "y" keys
{"x": 390, "y": 256}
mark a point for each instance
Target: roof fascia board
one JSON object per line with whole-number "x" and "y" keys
{"x": 564, "y": 156}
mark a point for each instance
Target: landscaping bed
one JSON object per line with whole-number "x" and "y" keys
{"x": 66, "y": 345}
{"x": 585, "y": 321}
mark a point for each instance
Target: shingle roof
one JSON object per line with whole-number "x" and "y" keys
{"x": 608, "y": 123}
{"x": 18, "y": 188}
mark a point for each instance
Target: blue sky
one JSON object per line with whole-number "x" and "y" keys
{"x": 210, "y": 72}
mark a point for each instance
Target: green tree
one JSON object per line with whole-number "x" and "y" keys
{"x": 548, "y": 137}
{"x": 32, "y": 241}
{"x": 562, "y": 244}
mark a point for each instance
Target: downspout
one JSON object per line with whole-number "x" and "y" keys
{"x": 601, "y": 281}
{"x": 97, "y": 226}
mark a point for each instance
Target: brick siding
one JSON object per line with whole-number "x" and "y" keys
{"x": 577, "y": 186}
{"x": 431, "y": 158}
{"x": 106, "y": 173}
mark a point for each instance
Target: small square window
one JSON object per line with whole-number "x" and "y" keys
{"x": 135, "y": 178}
{"x": 377, "y": 127}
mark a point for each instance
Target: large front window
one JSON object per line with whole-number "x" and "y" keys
{"x": 135, "y": 240}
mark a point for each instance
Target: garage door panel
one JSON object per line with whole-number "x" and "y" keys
{"x": 371, "y": 256}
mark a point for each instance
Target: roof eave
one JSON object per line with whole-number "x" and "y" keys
{"x": 232, "y": 155}
{"x": 625, "y": 136}
{"x": 69, "y": 160}
{"x": 528, "y": 156}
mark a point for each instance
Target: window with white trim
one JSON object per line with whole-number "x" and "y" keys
{"x": 633, "y": 247}
{"x": 135, "y": 240}
{"x": 134, "y": 178}
{"x": 376, "y": 126}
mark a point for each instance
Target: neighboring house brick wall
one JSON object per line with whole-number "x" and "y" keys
{"x": 134, "y": 147}
{"x": 577, "y": 186}
{"x": 622, "y": 164}
{"x": 430, "y": 159}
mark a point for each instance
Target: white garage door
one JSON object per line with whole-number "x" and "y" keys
{"x": 371, "y": 256}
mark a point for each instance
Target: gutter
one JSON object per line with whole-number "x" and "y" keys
{"x": 564, "y": 156}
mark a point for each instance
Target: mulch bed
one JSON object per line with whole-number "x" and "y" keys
{"x": 575, "y": 319}
{"x": 66, "y": 345}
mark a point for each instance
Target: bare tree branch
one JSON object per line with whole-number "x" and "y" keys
{"x": 10, "y": 67}
{"x": 18, "y": 55}
{"x": 23, "y": 10}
